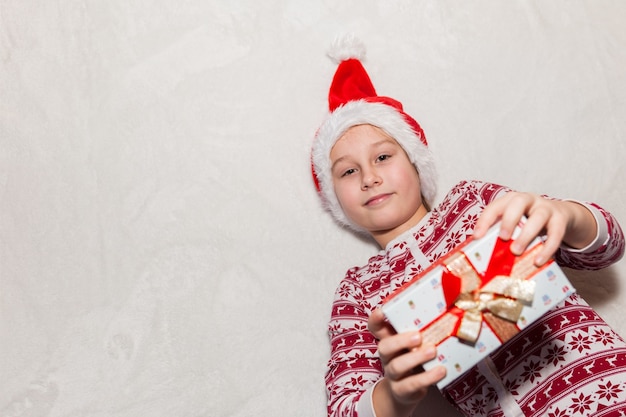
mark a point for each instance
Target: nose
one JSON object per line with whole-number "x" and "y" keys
{"x": 370, "y": 178}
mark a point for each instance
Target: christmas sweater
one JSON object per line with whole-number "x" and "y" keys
{"x": 567, "y": 363}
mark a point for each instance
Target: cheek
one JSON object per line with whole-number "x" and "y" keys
{"x": 409, "y": 180}
{"x": 403, "y": 177}
{"x": 345, "y": 194}
{"x": 411, "y": 175}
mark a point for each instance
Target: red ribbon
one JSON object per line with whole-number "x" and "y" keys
{"x": 500, "y": 264}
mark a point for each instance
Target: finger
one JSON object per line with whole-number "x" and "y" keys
{"x": 555, "y": 234}
{"x": 513, "y": 213}
{"x": 405, "y": 364}
{"x": 378, "y": 325}
{"x": 397, "y": 345}
{"x": 490, "y": 216}
{"x": 415, "y": 386}
{"x": 534, "y": 226}
{"x": 546, "y": 253}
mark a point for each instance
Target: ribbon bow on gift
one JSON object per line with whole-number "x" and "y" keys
{"x": 497, "y": 296}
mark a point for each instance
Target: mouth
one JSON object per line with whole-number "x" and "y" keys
{"x": 377, "y": 199}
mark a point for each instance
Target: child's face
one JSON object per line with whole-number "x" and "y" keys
{"x": 375, "y": 182}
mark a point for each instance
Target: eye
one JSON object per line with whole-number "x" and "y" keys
{"x": 348, "y": 172}
{"x": 383, "y": 157}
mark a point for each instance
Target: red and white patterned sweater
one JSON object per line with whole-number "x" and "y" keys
{"x": 568, "y": 363}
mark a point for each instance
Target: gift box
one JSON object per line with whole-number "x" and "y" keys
{"x": 476, "y": 298}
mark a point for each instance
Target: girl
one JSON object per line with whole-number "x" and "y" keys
{"x": 375, "y": 174}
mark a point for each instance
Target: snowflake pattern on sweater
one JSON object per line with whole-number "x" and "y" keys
{"x": 544, "y": 355}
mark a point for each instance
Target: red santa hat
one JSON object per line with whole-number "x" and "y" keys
{"x": 352, "y": 101}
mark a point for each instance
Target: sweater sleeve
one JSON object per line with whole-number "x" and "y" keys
{"x": 354, "y": 365}
{"x": 606, "y": 249}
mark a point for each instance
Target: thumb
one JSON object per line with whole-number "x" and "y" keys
{"x": 378, "y": 325}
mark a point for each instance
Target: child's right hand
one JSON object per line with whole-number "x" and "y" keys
{"x": 405, "y": 383}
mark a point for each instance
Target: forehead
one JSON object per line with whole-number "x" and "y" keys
{"x": 360, "y": 136}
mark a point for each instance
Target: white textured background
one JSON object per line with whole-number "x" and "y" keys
{"x": 162, "y": 248}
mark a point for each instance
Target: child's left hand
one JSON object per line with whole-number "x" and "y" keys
{"x": 560, "y": 221}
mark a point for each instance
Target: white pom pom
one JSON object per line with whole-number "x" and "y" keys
{"x": 345, "y": 47}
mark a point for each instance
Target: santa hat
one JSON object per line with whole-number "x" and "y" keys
{"x": 352, "y": 101}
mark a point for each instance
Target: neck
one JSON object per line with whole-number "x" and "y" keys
{"x": 383, "y": 237}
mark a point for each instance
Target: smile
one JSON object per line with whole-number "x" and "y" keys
{"x": 376, "y": 200}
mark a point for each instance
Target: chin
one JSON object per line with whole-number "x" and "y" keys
{"x": 386, "y": 228}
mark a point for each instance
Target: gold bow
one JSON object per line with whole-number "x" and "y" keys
{"x": 502, "y": 296}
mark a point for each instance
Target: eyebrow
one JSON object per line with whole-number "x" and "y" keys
{"x": 374, "y": 145}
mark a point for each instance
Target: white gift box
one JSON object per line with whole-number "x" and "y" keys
{"x": 427, "y": 302}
